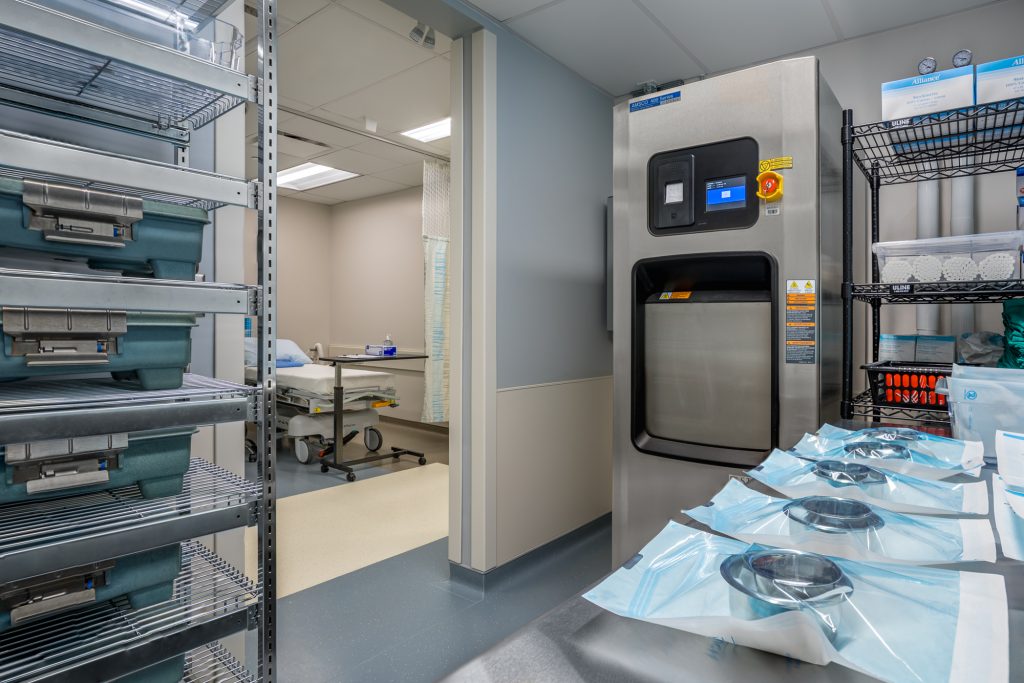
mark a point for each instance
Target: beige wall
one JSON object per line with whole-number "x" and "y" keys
{"x": 304, "y": 287}
{"x": 377, "y": 284}
{"x": 377, "y": 270}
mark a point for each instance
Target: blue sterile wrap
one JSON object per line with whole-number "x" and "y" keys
{"x": 795, "y": 477}
{"x": 845, "y": 528}
{"x": 920, "y": 454}
{"x": 898, "y": 623}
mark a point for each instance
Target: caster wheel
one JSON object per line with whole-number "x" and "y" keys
{"x": 423, "y": 461}
{"x": 372, "y": 439}
{"x": 250, "y": 450}
{"x": 304, "y": 451}
{"x": 325, "y": 469}
{"x": 351, "y": 476}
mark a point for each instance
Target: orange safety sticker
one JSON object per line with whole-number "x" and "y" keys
{"x": 668, "y": 296}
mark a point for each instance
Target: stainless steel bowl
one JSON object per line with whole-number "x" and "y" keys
{"x": 769, "y": 582}
{"x": 844, "y": 473}
{"x": 877, "y": 450}
{"x": 832, "y": 515}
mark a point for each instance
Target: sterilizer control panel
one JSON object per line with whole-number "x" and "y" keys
{"x": 710, "y": 187}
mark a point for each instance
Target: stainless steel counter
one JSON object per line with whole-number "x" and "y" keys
{"x": 578, "y": 641}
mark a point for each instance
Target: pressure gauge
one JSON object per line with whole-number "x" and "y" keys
{"x": 962, "y": 58}
{"x": 927, "y": 65}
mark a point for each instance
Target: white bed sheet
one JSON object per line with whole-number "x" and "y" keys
{"x": 319, "y": 379}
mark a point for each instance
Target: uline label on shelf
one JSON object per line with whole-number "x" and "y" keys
{"x": 902, "y": 288}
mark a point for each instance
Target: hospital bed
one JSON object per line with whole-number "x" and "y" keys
{"x": 306, "y": 406}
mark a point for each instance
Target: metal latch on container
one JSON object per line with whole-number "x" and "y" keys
{"x": 61, "y": 336}
{"x": 81, "y": 216}
{"x": 60, "y": 464}
{"x": 54, "y": 592}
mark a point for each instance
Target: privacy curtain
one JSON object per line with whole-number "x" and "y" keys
{"x": 436, "y": 292}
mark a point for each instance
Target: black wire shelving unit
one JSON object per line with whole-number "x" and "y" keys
{"x": 977, "y": 140}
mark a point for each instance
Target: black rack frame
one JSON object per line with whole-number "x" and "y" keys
{"x": 987, "y": 138}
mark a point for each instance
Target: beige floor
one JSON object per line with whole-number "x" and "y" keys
{"x": 327, "y": 533}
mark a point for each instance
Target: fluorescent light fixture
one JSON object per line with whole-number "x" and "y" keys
{"x": 307, "y": 176}
{"x": 431, "y": 131}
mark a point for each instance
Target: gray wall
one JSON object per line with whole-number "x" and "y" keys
{"x": 554, "y": 172}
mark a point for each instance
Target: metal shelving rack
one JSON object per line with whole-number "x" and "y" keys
{"x": 59, "y": 65}
{"x": 976, "y": 140}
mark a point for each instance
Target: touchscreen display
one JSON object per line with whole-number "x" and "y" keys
{"x": 725, "y": 194}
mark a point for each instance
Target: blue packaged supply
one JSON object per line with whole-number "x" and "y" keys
{"x": 897, "y": 623}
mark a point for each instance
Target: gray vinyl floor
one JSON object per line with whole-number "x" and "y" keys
{"x": 401, "y": 619}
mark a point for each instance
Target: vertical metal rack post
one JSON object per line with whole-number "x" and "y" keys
{"x": 978, "y": 140}
{"x": 64, "y": 65}
{"x": 267, "y": 333}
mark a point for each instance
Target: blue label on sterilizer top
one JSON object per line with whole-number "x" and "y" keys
{"x": 655, "y": 101}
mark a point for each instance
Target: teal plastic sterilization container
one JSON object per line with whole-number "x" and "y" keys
{"x": 112, "y": 232}
{"x": 144, "y": 579}
{"x": 153, "y": 348}
{"x": 155, "y": 461}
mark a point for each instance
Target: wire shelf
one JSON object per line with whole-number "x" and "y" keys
{"x": 211, "y": 600}
{"x": 214, "y": 664}
{"x": 862, "y": 406}
{"x": 46, "y": 536}
{"x": 35, "y": 410}
{"x": 85, "y": 69}
{"x": 940, "y": 292}
{"x": 29, "y": 157}
{"x": 986, "y": 138}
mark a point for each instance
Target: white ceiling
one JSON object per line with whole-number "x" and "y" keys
{"x": 347, "y": 61}
{"x": 617, "y": 44}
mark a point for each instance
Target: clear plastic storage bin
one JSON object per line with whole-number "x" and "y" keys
{"x": 992, "y": 256}
{"x": 165, "y": 23}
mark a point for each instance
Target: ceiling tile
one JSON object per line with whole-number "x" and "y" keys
{"x": 727, "y": 34}
{"x": 410, "y": 175}
{"x": 609, "y": 42}
{"x": 413, "y": 98}
{"x": 337, "y": 118}
{"x": 286, "y": 161}
{"x": 356, "y": 161}
{"x": 357, "y": 188}
{"x": 390, "y": 18}
{"x": 506, "y": 9}
{"x": 444, "y": 146}
{"x": 858, "y": 17}
{"x": 321, "y": 132}
{"x": 298, "y": 10}
{"x": 399, "y": 155}
{"x": 338, "y": 53}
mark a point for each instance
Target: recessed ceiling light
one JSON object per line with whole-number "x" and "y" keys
{"x": 309, "y": 175}
{"x": 431, "y": 131}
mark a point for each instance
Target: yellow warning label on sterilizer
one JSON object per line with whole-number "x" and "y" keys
{"x": 775, "y": 164}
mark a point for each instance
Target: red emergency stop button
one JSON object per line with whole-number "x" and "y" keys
{"x": 769, "y": 186}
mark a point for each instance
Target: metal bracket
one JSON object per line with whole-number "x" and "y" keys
{"x": 256, "y": 87}
{"x": 81, "y": 216}
{"x": 252, "y": 616}
{"x": 52, "y": 336}
{"x": 255, "y": 190}
{"x": 255, "y": 300}
{"x": 254, "y": 513}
